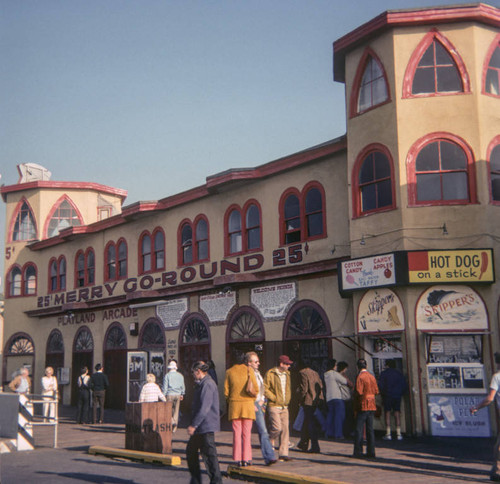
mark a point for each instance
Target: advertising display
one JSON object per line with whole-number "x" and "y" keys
{"x": 445, "y": 266}
{"x": 380, "y": 310}
{"x": 450, "y": 416}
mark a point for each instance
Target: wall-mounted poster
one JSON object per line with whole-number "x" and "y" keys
{"x": 171, "y": 312}
{"x": 450, "y": 416}
{"x": 451, "y": 308}
{"x": 452, "y": 378}
{"x": 380, "y": 310}
{"x": 356, "y": 274}
{"x": 272, "y": 301}
{"x": 136, "y": 377}
{"x": 217, "y": 306}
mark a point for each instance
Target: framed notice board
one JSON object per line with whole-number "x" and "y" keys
{"x": 137, "y": 364}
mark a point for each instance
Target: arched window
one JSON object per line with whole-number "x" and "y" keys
{"x": 187, "y": 243}
{"x": 115, "y": 339}
{"x": 63, "y": 215}
{"x": 55, "y": 343}
{"x": 84, "y": 268}
{"x": 252, "y": 227}
{"x": 159, "y": 249}
{"x": 302, "y": 214}
{"x": 370, "y": 87}
{"x": 20, "y": 344}
{"x": 373, "y": 181}
{"x": 22, "y": 281}
{"x": 24, "y": 223}
{"x": 83, "y": 341}
{"x": 193, "y": 241}
{"x": 234, "y": 232}
{"x": 116, "y": 260}
{"x": 441, "y": 171}
{"x": 293, "y": 229}
{"x": 201, "y": 239}
{"x": 492, "y": 77}
{"x": 195, "y": 332}
{"x": 243, "y": 228}
{"x": 62, "y": 273}
{"x": 29, "y": 280}
{"x": 145, "y": 253}
{"x": 152, "y": 335}
{"x": 494, "y": 162}
{"x": 111, "y": 262}
{"x": 435, "y": 68}
{"x": 14, "y": 282}
{"x": 57, "y": 274}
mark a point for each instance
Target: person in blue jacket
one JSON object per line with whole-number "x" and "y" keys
{"x": 392, "y": 385}
{"x": 205, "y": 421}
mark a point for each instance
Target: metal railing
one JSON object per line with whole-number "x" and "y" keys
{"x": 49, "y": 415}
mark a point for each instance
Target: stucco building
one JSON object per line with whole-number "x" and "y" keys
{"x": 381, "y": 243}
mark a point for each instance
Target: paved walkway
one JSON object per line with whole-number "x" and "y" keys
{"x": 422, "y": 460}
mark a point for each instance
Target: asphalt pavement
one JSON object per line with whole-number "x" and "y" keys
{"x": 414, "y": 460}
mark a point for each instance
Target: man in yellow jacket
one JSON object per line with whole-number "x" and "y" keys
{"x": 278, "y": 392}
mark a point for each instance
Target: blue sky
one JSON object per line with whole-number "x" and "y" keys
{"x": 153, "y": 96}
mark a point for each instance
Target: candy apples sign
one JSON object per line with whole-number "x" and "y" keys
{"x": 375, "y": 271}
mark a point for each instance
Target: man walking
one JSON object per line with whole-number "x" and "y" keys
{"x": 366, "y": 388}
{"x": 98, "y": 384}
{"x": 494, "y": 394}
{"x": 267, "y": 449}
{"x": 174, "y": 389}
{"x": 311, "y": 395}
{"x": 278, "y": 392}
{"x": 205, "y": 421}
{"x": 392, "y": 385}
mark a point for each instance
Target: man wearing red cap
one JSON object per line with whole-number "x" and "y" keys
{"x": 278, "y": 392}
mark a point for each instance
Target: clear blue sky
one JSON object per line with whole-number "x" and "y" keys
{"x": 153, "y": 96}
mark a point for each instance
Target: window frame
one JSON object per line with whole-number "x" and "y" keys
{"x": 14, "y": 217}
{"x": 302, "y": 196}
{"x": 491, "y": 50}
{"x": 87, "y": 269}
{"x": 495, "y": 143}
{"x": 142, "y": 254}
{"x": 411, "y": 175}
{"x": 196, "y": 252}
{"x": 117, "y": 262}
{"x": 357, "y": 210}
{"x": 59, "y": 286}
{"x": 53, "y": 210}
{"x": 23, "y": 280}
{"x": 243, "y": 230}
{"x": 157, "y": 250}
{"x": 416, "y": 56}
{"x": 367, "y": 55}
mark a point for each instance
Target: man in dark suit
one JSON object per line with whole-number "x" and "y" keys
{"x": 98, "y": 383}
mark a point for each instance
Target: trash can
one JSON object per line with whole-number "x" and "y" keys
{"x": 148, "y": 427}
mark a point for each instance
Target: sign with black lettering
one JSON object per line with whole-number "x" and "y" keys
{"x": 442, "y": 266}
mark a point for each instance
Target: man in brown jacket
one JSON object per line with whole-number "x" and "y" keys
{"x": 311, "y": 395}
{"x": 279, "y": 393}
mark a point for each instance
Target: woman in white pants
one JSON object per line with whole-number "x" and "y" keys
{"x": 49, "y": 388}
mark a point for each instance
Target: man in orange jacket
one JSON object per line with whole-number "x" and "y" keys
{"x": 365, "y": 390}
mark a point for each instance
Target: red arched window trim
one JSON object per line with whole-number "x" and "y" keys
{"x": 14, "y": 217}
{"x": 356, "y": 85}
{"x": 180, "y": 252}
{"x": 61, "y": 199}
{"x": 140, "y": 254}
{"x": 491, "y": 49}
{"x": 410, "y": 169}
{"x": 432, "y": 35}
{"x": 199, "y": 218}
{"x": 302, "y": 195}
{"x": 493, "y": 144}
{"x": 227, "y": 245}
{"x": 356, "y": 194}
{"x": 156, "y": 250}
{"x": 245, "y": 228}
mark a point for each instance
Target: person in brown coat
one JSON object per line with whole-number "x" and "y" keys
{"x": 21, "y": 383}
{"x": 241, "y": 410}
{"x": 311, "y": 395}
